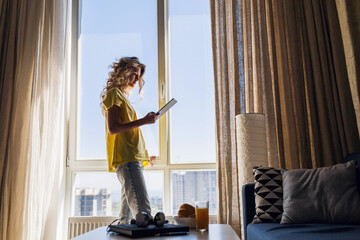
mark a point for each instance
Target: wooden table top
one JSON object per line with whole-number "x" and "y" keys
{"x": 216, "y": 232}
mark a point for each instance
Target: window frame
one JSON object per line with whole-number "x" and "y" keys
{"x": 73, "y": 165}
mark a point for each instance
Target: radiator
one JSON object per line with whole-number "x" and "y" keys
{"x": 81, "y": 225}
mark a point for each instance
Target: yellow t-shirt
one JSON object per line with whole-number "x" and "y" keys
{"x": 127, "y": 146}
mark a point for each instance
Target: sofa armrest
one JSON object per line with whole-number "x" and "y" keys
{"x": 248, "y": 204}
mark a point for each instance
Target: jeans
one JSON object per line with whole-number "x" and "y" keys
{"x": 134, "y": 196}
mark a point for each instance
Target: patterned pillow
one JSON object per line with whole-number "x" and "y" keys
{"x": 268, "y": 195}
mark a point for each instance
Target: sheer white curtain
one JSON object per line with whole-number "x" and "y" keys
{"x": 33, "y": 43}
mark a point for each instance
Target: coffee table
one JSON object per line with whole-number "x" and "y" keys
{"x": 216, "y": 232}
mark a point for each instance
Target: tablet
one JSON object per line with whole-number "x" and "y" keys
{"x": 167, "y": 106}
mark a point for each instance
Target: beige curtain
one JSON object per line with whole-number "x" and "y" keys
{"x": 315, "y": 123}
{"x": 284, "y": 59}
{"x": 31, "y": 114}
{"x": 349, "y": 17}
{"x": 294, "y": 56}
{"x": 226, "y": 39}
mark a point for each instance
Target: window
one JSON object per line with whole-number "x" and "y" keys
{"x": 174, "y": 42}
{"x": 99, "y": 193}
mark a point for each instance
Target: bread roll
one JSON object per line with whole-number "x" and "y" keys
{"x": 186, "y": 210}
{"x": 182, "y": 213}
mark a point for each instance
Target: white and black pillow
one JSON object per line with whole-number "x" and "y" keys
{"x": 268, "y": 195}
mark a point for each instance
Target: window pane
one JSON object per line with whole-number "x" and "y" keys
{"x": 192, "y": 83}
{"x": 191, "y": 186}
{"x": 99, "y": 194}
{"x": 110, "y": 30}
{"x": 96, "y": 194}
{"x": 155, "y": 187}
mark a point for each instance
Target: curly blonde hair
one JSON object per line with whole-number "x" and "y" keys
{"x": 120, "y": 75}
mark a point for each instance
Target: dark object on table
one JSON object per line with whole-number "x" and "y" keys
{"x": 133, "y": 231}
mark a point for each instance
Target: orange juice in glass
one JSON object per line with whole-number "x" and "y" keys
{"x": 202, "y": 215}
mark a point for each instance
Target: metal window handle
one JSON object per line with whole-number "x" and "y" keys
{"x": 162, "y": 91}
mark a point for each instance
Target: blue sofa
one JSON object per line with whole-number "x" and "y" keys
{"x": 277, "y": 231}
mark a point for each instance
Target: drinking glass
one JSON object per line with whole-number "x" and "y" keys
{"x": 202, "y": 215}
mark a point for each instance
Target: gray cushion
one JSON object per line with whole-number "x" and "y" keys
{"x": 356, "y": 157}
{"x": 321, "y": 195}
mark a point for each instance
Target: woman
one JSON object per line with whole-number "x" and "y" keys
{"x": 125, "y": 144}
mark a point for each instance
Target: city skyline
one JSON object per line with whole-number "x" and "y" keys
{"x": 188, "y": 187}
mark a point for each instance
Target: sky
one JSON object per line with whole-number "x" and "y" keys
{"x": 111, "y": 29}
{"x": 97, "y": 180}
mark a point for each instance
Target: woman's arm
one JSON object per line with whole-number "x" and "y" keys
{"x": 114, "y": 126}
